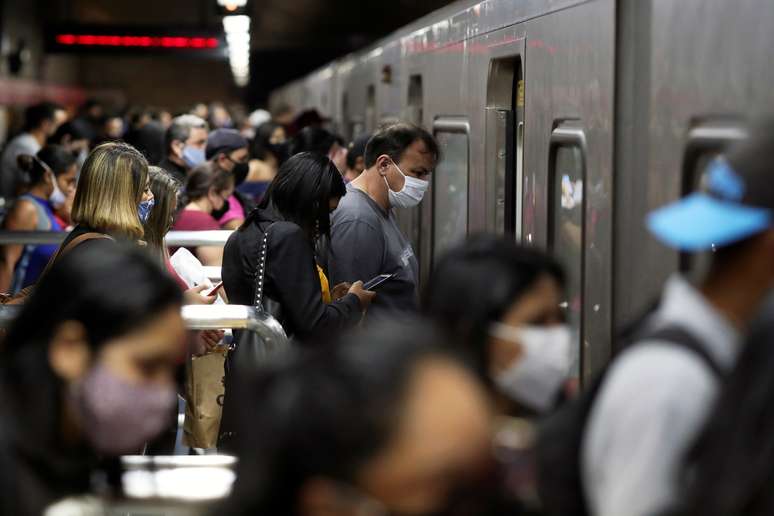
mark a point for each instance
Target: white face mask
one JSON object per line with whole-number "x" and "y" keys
{"x": 412, "y": 193}
{"x": 57, "y": 197}
{"x": 535, "y": 378}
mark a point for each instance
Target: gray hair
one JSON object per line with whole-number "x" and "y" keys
{"x": 180, "y": 129}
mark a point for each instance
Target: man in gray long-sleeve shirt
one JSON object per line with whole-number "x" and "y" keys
{"x": 365, "y": 238}
{"x": 655, "y": 398}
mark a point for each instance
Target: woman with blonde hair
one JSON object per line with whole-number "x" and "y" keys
{"x": 113, "y": 198}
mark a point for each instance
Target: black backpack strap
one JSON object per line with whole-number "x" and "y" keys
{"x": 679, "y": 336}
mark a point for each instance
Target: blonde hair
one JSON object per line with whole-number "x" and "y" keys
{"x": 110, "y": 187}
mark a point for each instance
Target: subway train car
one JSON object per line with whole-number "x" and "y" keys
{"x": 562, "y": 123}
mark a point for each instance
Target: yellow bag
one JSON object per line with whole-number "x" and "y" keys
{"x": 325, "y": 286}
{"x": 204, "y": 391}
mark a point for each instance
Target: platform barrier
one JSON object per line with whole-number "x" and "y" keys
{"x": 173, "y": 238}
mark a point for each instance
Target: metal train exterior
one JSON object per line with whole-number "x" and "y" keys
{"x": 562, "y": 123}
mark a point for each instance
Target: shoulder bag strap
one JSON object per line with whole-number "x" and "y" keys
{"x": 681, "y": 337}
{"x": 260, "y": 273}
{"x": 72, "y": 244}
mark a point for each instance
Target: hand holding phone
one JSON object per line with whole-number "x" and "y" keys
{"x": 214, "y": 289}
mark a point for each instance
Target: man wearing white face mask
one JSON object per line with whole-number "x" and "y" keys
{"x": 365, "y": 238}
{"x": 185, "y": 140}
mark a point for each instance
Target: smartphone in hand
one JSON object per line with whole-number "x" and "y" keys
{"x": 378, "y": 280}
{"x": 214, "y": 290}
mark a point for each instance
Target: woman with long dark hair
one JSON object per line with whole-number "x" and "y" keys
{"x": 295, "y": 212}
{"x": 86, "y": 373}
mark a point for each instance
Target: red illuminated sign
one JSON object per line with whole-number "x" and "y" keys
{"x": 137, "y": 41}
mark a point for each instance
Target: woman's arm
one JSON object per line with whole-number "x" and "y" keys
{"x": 22, "y": 217}
{"x": 210, "y": 255}
{"x": 292, "y": 270}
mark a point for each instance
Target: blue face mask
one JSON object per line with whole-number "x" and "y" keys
{"x": 144, "y": 210}
{"x": 193, "y": 157}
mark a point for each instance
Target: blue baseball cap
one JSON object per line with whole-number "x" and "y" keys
{"x": 738, "y": 203}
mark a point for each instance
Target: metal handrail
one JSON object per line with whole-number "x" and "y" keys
{"x": 173, "y": 238}
{"x": 207, "y": 317}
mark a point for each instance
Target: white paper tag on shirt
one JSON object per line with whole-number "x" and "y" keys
{"x": 406, "y": 255}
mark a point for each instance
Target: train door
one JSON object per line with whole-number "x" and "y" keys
{"x": 505, "y": 142}
{"x": 410, "y": 220}
{"x": 568, "y": 175}
{"x": 703, "y": 71}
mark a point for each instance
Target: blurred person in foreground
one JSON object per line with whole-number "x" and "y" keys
{"x": 729, "y": 469}
{"x": 383, "y": 422}
{"x": 86, "y": 374}
{"x": 499, "y": 305}
{"x": 185, "y": 141}
{"x": 52, "y": 178}
{"x": 40, "y": 123}
{"x": 227, "y": 151}
{"x": 293, "y": 214}
{"x": 631, "y": 452}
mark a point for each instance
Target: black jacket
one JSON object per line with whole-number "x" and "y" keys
{"x": 291, "y": 277}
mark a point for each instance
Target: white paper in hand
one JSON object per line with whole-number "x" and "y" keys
{"x": 189, "y": 268}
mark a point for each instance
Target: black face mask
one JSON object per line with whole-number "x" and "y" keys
{"x": 280, "y": 150}
{"x": 217, "y": 214}
{"x": 240, "y": 171}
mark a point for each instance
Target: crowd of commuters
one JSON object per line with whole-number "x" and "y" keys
{"x": 387, "y": 400}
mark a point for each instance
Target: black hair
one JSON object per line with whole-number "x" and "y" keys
{"x": 82, "y": 286}
{"x": 356, "y": 149}
{"x": 56, "y": 157}
{"x": 730, "y": 468}
{"x": 323, "y": 413}
{"x": 262, "y": 145}
{"x": 149, "y": 140}
{"x": 302, "y": 190}
{"x": 393, "y": 140}
{"x": 313, "y": 139}
{"x": 202, "y": 178}
{"x": 77, "y": 129}
{"x": 35, "y": 115}
{"x": 475, "y": 283}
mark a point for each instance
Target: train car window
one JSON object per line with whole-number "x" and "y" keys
{"x": 415, "y": 99}
{"x": 566, "y": 222}
{"x": 371, "y": 115}
{"x": 450, "y": 185}
{"x": 345, "y": 116}
{"x": 707, "y": 140}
